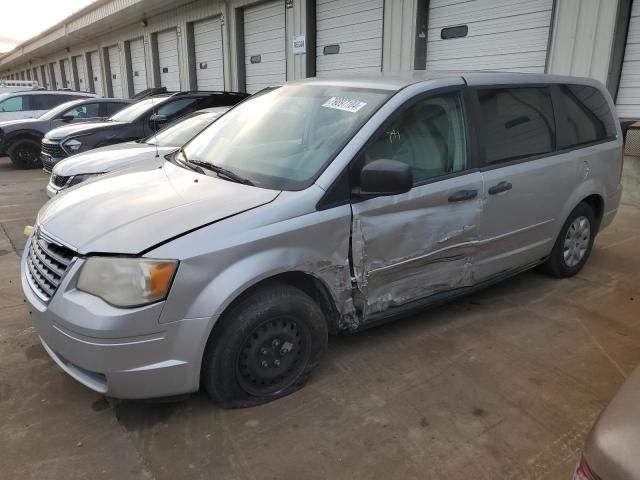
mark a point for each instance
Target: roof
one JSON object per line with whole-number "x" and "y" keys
{"x": 54, "y": 92}
{"x": 397, "y": 81}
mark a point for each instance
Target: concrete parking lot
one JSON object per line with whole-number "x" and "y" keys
{"x": 501, "y": 385}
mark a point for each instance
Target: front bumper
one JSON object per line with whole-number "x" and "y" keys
{"x": 52, "y": 190}
{"x": 122, "y": 353}
{"x": 48, "y": 161}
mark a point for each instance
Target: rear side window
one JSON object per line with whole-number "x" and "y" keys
{"x": 47, "y": 102}
{"x": 587, "y": 116}
{"x": 517, "y": 122}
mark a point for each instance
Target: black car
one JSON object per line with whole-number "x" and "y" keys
{"x": 137, "y": 121}
{"x": 20, "y": 139}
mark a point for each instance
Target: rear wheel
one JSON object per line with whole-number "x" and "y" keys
{"x": 25, "y": 154}
{"x": 573, "y": 245}
{"x": 265, "y": 348}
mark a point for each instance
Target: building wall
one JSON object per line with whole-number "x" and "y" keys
{"x": 581, "y": 39}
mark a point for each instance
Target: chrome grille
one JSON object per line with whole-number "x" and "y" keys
{"x": 59, "y": 180}
{"x": 47, "y": 163}
{"x": 47, "y": 263}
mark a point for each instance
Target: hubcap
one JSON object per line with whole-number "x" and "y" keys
{"x": 27, "y": 154}
{"x": 272, "y": 357}
{"x": 576, "y": 242}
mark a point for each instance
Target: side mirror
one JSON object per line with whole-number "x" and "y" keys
{"x": 157, "y": 119}
{"x": 67, "y": 118}
{"x": 385, "y": 177}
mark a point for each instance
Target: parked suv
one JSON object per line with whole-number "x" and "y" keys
{"x": 20, "y": 139}
{"x": 137, "y": 121}
{"x": 33, "y": 103}
{"x": 315, "y": 208}
{"x": 81, "y": 167}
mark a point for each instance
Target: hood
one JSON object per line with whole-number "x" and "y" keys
{"x": 109, "y": 158}
{"x": 130, "y": 212}
{"x": 612, "y": 446}
{"x": 80, "y": 128}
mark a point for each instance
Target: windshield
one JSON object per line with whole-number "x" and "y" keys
{"x": 283, "y": 139}
{"x": 132, "y": 112}
{"x": 179, "y": 133}
{"x": 54, "y": 112}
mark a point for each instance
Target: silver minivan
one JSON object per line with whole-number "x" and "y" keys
{"x": 314, "y": 208}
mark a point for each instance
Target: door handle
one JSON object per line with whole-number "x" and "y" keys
{"x": 463, "y": 195}
{"x": 499, "y": 188}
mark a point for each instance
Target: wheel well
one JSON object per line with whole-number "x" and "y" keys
{"x": 310, "y": 285}
{"x": 596, "y": 203}
{"x": 11, "y": 141}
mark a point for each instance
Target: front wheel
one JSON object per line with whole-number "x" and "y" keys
{"x": 574, "y": 243}
{"x": 265, "y": 348}
{"x": 25, "y": 154}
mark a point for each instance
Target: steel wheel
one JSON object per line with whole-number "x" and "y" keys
{"x": 272, "y": 357}
{"x": 576, "y": 241}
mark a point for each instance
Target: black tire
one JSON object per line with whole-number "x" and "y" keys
{"x": 25, "y": 154}
{"x": 265, "y": 347}
{"x": 557, "y": 265}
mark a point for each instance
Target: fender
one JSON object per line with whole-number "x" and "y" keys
{"x": 21, "y": 134}
{"x": 591, "y": 186}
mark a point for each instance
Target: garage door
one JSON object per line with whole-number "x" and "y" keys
{"x": 138, "y": 65}
{"x": 348, "y": 36}
{"x": 82, "y": 82}
{"x": 169, "y": 60}
{"x": 207, "y": 41}
{"x": 628, "y": 99}
{"x": 46, "y": 78}
{"x": 57, "y": 75}
{"x": 113, "y": 53}
{"x": 96, "y": 71}
{"x": 497, "y": 35}
{"x": 264, "y": 45}
{"x": 35, "y": 75}
{"x": 68, "y": 78}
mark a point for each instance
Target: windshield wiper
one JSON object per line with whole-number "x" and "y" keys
{"x": 186, "y": 162}
{"x": 221, "y": 172}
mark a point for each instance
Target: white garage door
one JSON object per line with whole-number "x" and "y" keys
{"x": 82, "y": 80}
{"x": 44, "y": 70}
{"x": 264, "y": 45}
{"x": 207, "y": 40}
{"x": 169, "y": 60}
{"x": 68, "y": 78}
{"x": 96, "y": 71}
{"x": 348, "y": 36}
{"x": 57, "y": 75}
{"x": 138, "y": 65}
{"x": 116, "y": 72}
{"x": 35, "y": 75}
{"x": 495, "y": 35}
{"x": 628, "y": 99}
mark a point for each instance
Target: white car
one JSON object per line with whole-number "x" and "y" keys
{"x": 33, "y": 103}
{"x": 78, "y": 168}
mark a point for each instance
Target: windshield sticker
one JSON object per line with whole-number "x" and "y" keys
{"x": 344, "y": 104}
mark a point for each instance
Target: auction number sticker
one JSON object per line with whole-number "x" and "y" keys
{"x": 344, "y": 104}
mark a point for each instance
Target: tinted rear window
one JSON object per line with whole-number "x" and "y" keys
{"x": 517, "y": 122}
{"x": 587, "y": 116}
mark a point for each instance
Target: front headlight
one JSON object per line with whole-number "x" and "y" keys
{"x": 127, "y": 282}
{"x": 72, "y": 146}
{"x": 76, "y": 179}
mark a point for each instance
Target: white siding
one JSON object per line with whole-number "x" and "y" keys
{"x": 138, "y": 65}
{"x": 83, "y": 86}
{"x": 503, "y": 35}
{"x": 355, "y": 28}
{"x": 169, "y": 60}
{"x": 209, "y": 58}
{"x": 264, "y": 45}
{"x": 116, "y": 71}
{"x": 628, "y": 99}
{"x": 97, "y": 73}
